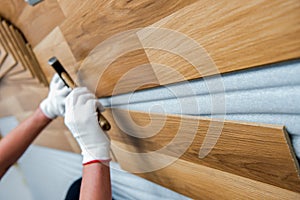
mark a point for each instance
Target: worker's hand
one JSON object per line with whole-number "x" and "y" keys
{"x": 54, "y": 104}
{"x": 82, "y": 119}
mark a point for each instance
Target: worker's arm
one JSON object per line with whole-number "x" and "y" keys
{"x": 82, "y": 120}
{"x": 96, "y": 181}
{"x": 17, "y": 141}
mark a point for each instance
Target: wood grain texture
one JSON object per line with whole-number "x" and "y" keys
{"x": 8, "y": 64}
{"x": 36, "y": 66}
{"x": 22, "y": 66}
{"x": 11, "y": 9}
{"x": 14, "y": 46}
{"x": 38, "y": 21}
{"x": 3, "y": 54}
{"x": 200, "y": 182}
{"x": 254, "y": 151}
{"x": 231, "y": 35}
{"x": 123, "y": 75}
{"x": 20, "y": 45}
{"x": 54, "y": 44}
{"x": 7, "y": 44}
{"x": 70, "y": 7}
{"x": 97, "y": 20}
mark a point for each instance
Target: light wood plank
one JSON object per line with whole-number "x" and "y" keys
{"x": 70, "y": 7}
{"x": 231, "y": 35}
{"x": 11, "y": 9}
{"x": 21, "y": 46}
{"x": 201, "y": 182}
{"x": 24, "y": 73}
{"x": 55, "y": 45}
{"x": 36, "y": 66}
{"x": 36, "y": 22}
{"x": 254, "y": 151}
{"x": 97, "y": 20}
{"x": 3, "y": 54}
{"x": 14, "y": 46}
{"x": 5, "y": 41}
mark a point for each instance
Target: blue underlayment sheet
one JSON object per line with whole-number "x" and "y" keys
{"x": 268, "y": 94}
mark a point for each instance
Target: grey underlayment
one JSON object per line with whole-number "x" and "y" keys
{"x": 268, "y": 94}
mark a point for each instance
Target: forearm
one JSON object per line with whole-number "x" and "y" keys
{"x": 17, "y": 141}
{"x": 96, "y": 182}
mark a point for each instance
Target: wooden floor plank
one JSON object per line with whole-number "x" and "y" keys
{"x": 200, "y": 182}
{"x": 11, "y": 9}
{"x": 119, "y": 71}
{"x": 6, "y": 43}
{"x": 8, "y": 65}
{"x": 70, "y": 7}
{"x": 14, "y": 46}
{"x": 55, "y": 45}
{"x": 38, "y": 21}
{"x": 98, "y": 20}
{"x": 3, "y": 54}
{"x": 21, "y": 46}
{"x": 254, "y": 151}
{"x": 36, "y": 66}
{"x": 231, "y": 35}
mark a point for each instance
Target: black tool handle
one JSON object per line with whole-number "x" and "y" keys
{"x": 63, "y": 74}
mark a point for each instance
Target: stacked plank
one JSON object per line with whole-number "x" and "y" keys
{"x": 17, "y": 60}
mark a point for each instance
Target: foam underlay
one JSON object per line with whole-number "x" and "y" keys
{"x": 268, "y": 94}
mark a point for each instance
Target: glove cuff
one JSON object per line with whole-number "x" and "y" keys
{"x": 105, "y": 162}
{"x": 45, "y": 109}
{"x": 88, "y": 157}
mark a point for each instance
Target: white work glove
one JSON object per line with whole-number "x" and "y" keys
{"x": 82, "y": 120}
{"x": 54, "y": 104}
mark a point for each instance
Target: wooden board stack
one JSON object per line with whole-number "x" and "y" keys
{"x": 17, "y": 60}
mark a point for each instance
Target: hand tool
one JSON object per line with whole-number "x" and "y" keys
{"x": 104, "y": 124}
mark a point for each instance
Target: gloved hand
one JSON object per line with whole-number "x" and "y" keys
{"x": 82, "y": 120}
{"x": 54, "y": 104}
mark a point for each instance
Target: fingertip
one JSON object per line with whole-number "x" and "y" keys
{"x": 100, "y": 106}
{"x": 55, "y": 78}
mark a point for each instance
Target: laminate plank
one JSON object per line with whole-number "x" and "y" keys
{"x": 5, "y": 41}
{"x": 23, "y": 74}
{"x": 38, "y": 21}
{"x": 69, "y": 7}
{"x": 21, "y": 46}
{"x": 36, "y": 66}
{"x": 3, "y": 54}
{"x": 14, "y": 46}
{"x": 119, "y": 71}
{"x": 54, "y": 44}
{"x": 229, "y": 36}
{"x": 11, "y": 9}
{"x": 98, "y": 20}
{"x": 8, "y": 65}
{"x": 201, "y": 182}
{"x": 258, "y": 152}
